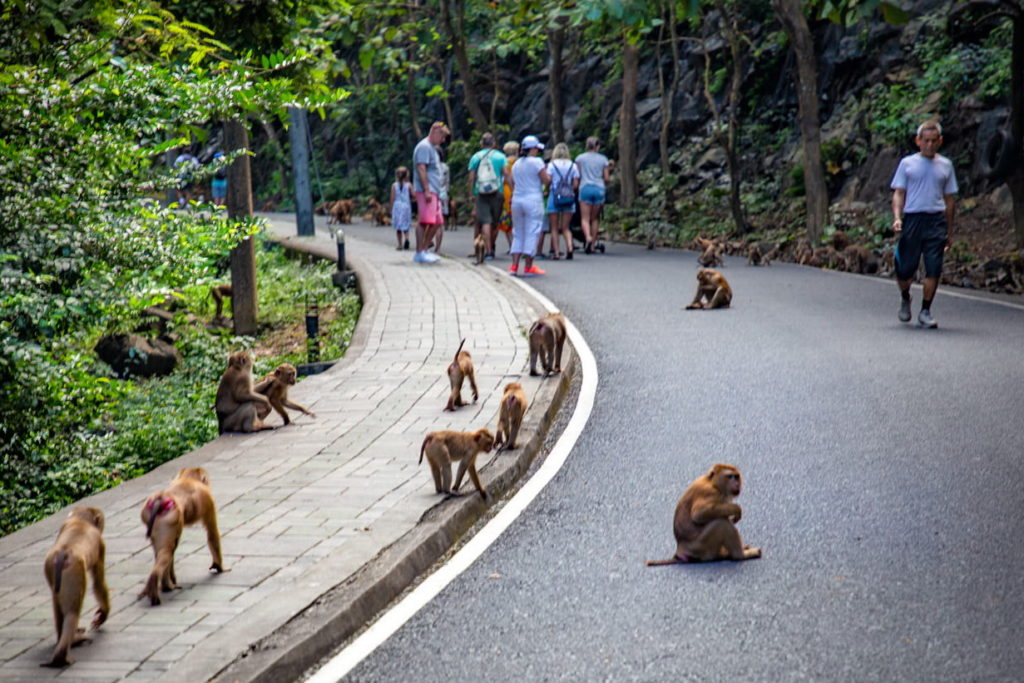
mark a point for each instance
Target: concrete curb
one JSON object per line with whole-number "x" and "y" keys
{"x": 344, "y": 609}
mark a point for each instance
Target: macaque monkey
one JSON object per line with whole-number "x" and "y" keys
{"x": 78, "y": 549}
{"x": 510, "y": 416}
{"x": 712, "y": 256}
{"x": 705, "y": 521}
{"x": 239, "y": 408}
{"x": 460, "y": 369}
{"x": 755, "y": 257}
{"x": 445, "y": 447}
{"x": 275, "y": 388}
{"x": 860, "y": 259}
{"x": 165, "y": 513}
{"x": 219, "y": 293}
{"x": 804, "y": 252}
{"x": 711, "y": 285}
{"x": 340, "y": 211}
{"x": 480, "y": 248}
{"x": 547, "y": 337}
{"x": 840, "y": 240}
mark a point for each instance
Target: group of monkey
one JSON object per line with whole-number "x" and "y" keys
{"x": 241, "y": 405}
{"x": 840, "y": 253}
{"x": 704, "y": 521}
{"x": 341, "y": 211}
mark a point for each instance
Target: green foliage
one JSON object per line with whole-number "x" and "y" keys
{"x": 96, "y": 432}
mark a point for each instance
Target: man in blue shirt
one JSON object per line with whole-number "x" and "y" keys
{"x": 923, "y": 209}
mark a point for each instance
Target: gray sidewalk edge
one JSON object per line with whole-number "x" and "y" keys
{"x": 341, "y": 611}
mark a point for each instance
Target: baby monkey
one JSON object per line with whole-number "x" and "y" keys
{"x": 78, "y": 549}
{"x": 275, "y": 388}
{"x": 510, "y": 416}
{"x": 713, "y": 286}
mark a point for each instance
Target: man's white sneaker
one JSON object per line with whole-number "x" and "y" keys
{"x": 904, "y": 314}
{"x": 925, "y": 319}
{"x": 430, "y": 257}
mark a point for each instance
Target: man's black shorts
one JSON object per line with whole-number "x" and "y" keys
{"x": 923, "y": 234}
{"x": 489, "y": 207}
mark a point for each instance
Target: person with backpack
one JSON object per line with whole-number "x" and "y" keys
{"x": 565, "y": 180}
{"x": 488, "y": 170}
{"x": 219, "y": 184}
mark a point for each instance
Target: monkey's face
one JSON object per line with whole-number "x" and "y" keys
{"x": 484, "y": 440}
{"x": 726, "y": 479}
{"x": 285, "y": 373}
{"x": 704, "y": 275}
{"x": 240, "y": 359}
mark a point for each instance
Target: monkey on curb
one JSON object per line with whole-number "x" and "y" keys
{"x": 239, "y": 408}
{"x": 547, "y": 337}
{"x": 458, "y": 370}
{"x": 78, "y": 549}
{"x": 510, "y": 416}
{"x": 166, "y": 513}
{"x": 275, "y": 388}
{"x": 713, "y": 286}
{"x": 705, "y": 521}
{"x": 444, "y": 447}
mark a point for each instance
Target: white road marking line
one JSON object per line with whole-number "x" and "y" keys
{"x": 392, "y": 620}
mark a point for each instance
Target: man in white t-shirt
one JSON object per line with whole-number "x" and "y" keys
{"x": 923, "y": 209}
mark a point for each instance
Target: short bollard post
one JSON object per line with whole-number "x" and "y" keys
{"x": 342, "y": 278}
{"x": 312, "y": 330}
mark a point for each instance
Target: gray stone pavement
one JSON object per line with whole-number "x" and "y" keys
{"x": 305, "y": 509}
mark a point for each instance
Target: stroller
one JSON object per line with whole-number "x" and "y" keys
{"x": 576, "y": 228}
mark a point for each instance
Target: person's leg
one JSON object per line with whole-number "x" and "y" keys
{"x": 595, "y": 225}
{"x": 908, "y": 255}
{"x": 554, "y": 227}
{"x": 566, "y": 218}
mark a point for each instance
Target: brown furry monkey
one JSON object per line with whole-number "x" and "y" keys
{"x": 547, "y": 337}
{"x": 510, "y": 416}
{"x": 445, "y": 447}
{"x": 166, "y": 513}
{"x": 78, "y": 549}
{"x": 275, "y": 388}
{"x": 239, "y": 408}
{"x": 219, "y": 293}
{"x": 460, "y": 369}
{"x": 713, "y": 286}
{"x": 705, "y": 520}
{"x": 480, "y": 248}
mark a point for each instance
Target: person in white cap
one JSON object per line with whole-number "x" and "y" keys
{"x": 529, "y": 178}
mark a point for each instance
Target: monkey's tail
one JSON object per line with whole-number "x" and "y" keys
{"x": 662, "y": 563}
{"x": 460, "y": 349}
{"x": 423, "y": 448}
{"x": 536, "y": 327}
{"x": 58, "y": 569}
{"x": 155, "y": 506}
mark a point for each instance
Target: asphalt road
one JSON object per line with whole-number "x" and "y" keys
{"x": 883, "y": 471}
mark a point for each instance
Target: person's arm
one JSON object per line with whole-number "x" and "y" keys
{"x": 899, "y": 200}
{"x": 575, "y": 177}
{"x": 545, "y": 177}
{"x": 472, "y": 181}
{"x": 421, "y": 171}
{"x": 607, "y": 172}
{"x": 391, "y": 202}
{"x": 950, "y": 201}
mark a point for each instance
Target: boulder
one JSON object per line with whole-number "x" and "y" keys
{"x": 132, "y": 355}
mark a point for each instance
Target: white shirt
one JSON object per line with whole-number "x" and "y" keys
{"x": 526, "y": 176}
{"x": 926, "y": 182}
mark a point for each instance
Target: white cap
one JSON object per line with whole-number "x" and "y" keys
{"x": 531, "y": 141}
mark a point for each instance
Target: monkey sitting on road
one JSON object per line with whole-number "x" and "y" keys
{"x": 239, "y": 408}
{"x": 547, "y": 337}
{"x": 442, "y": 448}
{"x": 458, "y": 370}
{"x": 711, "y": 285}
{"x": 510, "y": 416}
{"x": 78, "y": 549}
{"x": 275, "y": 388}
{"x": 166, "y": 513}
{"x": 705, "y": 519}
{"x": 711, "y": 256}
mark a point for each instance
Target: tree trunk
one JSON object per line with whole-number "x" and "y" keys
{"x": 556, "y": 39}
{"x": 668, "y": 95}
{"x": 243, "y": 256}
{"x": 816, "y": 193}
{"x": 299, "y": 134}
{"x": 446, "y": 82}
{"x": 1016, "y": 177}
{"x": 627, "y": 123}
{"x": 457, "y": 37}
{"x": 410, "y": 93}
{"x": 732, "y": 34}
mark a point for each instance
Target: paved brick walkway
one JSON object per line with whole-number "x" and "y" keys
{"x": 301, "y": 508}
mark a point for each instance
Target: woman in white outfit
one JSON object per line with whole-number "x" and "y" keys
{"x": 529, "y": 178}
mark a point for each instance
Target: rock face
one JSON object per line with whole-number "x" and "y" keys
{"x": 132, "y": 355}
